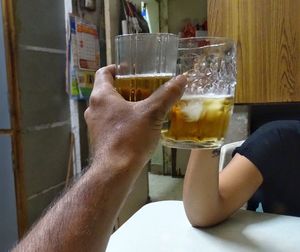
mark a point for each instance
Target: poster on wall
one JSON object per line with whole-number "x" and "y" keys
{"x": 83, "y": 57}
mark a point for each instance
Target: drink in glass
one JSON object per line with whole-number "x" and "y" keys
{"x": 200, "y": 118}
{"x": 144, "y": 62}
{"x": 140, "y": 86}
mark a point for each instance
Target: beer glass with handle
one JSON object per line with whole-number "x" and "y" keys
{"x": 200, "y": 119}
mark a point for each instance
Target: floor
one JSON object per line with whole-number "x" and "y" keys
{"x": 162, "y": 187}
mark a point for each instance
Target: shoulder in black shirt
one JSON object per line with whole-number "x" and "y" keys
{"x": 275, "y": 150}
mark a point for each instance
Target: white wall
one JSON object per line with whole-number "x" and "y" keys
{"x": 179, "y": 11}
{"x": 153, "y": 12}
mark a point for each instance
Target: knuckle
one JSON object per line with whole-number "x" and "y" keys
{"x": 174, "y": 89}
{"x": 99, "y": 71}
{"x": 156, "y": 111}
{"x": 95, "y": 99}
{"x": 86, "y": 114}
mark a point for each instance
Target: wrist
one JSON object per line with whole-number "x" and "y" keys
{"x": 116, "y": 161}
{"x": 207, "y": 153}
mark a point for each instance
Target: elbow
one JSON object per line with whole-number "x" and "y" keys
{"x": 200, "y": 218}
{"x": 200, "y": 221}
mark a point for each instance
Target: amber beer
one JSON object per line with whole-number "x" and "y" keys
{"x": 139, "y": 87}
{"x": 198, "y": 119}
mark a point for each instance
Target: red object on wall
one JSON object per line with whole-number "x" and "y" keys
{"x": 189, "y": 31}
{"x": 204, "y": 25}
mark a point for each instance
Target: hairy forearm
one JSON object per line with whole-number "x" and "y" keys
{"x": 201, "y": 188}
{"x": 82, "y": 220}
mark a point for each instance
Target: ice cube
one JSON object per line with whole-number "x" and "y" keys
{"x": 192, "y": 111}
{"x": 215, "y": 105}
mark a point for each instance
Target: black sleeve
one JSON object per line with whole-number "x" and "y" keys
{"x": 273, "y": 146}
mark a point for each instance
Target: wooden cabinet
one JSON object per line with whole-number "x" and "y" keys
{"x": 268, "y": 39}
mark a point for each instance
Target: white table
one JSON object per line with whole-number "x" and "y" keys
{"x": 163, "y": 226}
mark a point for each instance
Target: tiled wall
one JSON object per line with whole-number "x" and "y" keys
{"x": 45, "y": 116}
{"x": 8, "y": 213}
{"x": 45, "y": 105}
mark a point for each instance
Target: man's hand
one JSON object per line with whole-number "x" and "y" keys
{"x": 123, "y": 135}
{"x": 129, "y": 129}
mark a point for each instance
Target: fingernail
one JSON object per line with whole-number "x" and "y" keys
{"x": 182, "y": 79}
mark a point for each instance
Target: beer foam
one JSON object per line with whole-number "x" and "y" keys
{"x": 144, "y": 75}
{"x": 188, "y": 97}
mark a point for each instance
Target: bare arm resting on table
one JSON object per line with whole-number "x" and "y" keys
{"x": 123, "y": 136}
{"x": 209, "y": 196}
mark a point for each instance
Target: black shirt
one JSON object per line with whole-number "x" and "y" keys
{"x": 275, "y": 150}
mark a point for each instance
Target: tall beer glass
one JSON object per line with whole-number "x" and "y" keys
{"x": 144, "y": 62}
{"x": 200, "y": 119}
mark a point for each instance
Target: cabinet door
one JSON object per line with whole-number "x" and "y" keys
{"x": 268, "y": 39}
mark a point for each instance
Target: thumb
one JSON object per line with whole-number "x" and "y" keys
{"x": 168, "y": 93}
